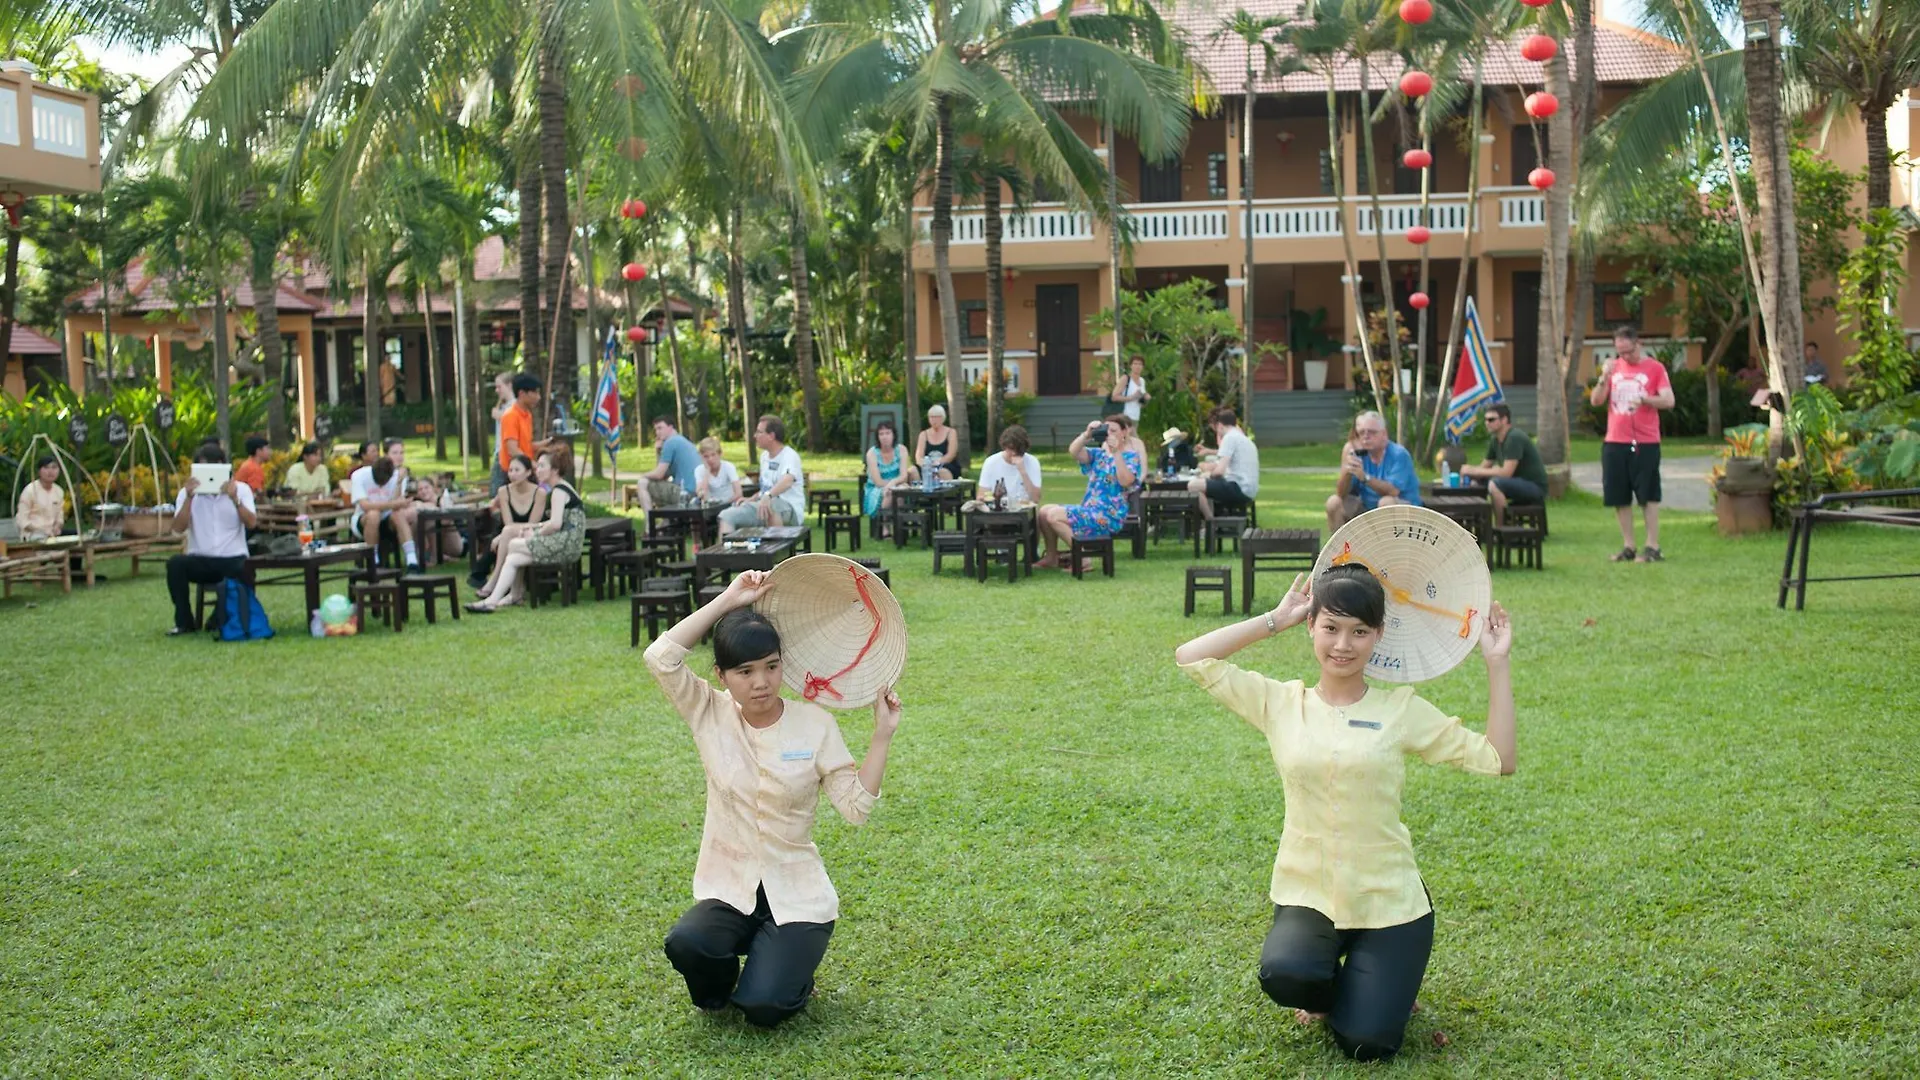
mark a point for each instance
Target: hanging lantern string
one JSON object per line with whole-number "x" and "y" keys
{"x": 1400, "y": 595}
{"x": 816, "y": 685}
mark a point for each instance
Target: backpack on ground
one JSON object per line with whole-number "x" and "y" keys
{"x": 241, "y": 616}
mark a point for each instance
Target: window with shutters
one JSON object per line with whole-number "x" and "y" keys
{"x": 1217, "y": 175}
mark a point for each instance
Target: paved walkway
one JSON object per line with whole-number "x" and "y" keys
{"x": 1683, "y": 482}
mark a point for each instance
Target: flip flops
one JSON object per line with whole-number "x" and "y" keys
{"x": 1625, "y": 554}
{"x": 1651, "y": 554}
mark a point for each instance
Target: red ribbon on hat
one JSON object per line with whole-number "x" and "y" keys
{"x": 816, "y": 685}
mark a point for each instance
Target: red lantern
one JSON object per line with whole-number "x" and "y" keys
{"x": 1416, "y": 159}
{"x": 1541, "y": 104}
{"x": 1419, "y": 234}
{"x": 1541, "y": 178}
{"x": 633, "y": 209}
{"x": 1419, "y": 301}
{"x": 1536, "y": 3}
{"x": 1415, "y": 12}
{"x": 1416, "y": 84}
{"x": 1539, "y": 48}
{"x": 633, "y": 272}
{"x": 636, "y": 334}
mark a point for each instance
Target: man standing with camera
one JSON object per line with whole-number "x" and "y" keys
{"x": 1634, "y": 388}
{"x": 1374, "y": 472}
{"x": 1232, "y": 478}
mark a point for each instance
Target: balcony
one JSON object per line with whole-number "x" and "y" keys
{"x": 1508, "y": 221}
{"x": 49, "y": 137}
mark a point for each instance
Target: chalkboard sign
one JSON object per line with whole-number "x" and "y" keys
{"x": 322, "y": 428}
{"x": 77, "y": 431}
{"x": 117, "y": 431}
{"x": 163, "y": 414}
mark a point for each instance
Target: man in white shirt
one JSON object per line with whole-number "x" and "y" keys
{"x": 216, "y": 524}
{"x": 380, "y": 503}
{"x": 1232, "y": 477}
{"x": 783, "y": 486}
{"x": 1013, "y": 464}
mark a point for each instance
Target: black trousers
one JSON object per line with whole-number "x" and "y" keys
{"x": 1368, "y": 999}
{"x": 706, "y": 943}
{"x": 186, "y": 570}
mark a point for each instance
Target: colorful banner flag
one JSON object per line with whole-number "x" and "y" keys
{"x": 606, "y": 400}
{"x": 1476, "y": 385}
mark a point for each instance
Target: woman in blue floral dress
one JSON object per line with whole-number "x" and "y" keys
{"x": 1111, "y": 471}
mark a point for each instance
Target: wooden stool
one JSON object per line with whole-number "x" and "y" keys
{"x": 627, "y": 569}
{"x": 376, "y": 576}
{"x": 678, "y": 584}
{"x": 1524, "y": 539}
{"x": 428, "y": 588}
{"x": 664, "y": 545}
{"x": 206, "y": 598}
{"x": 833, "y": 504}
{"x": 822, "y": 498}
{"x": 878, "y": 571}
{"x": 1248, "y": 510}
{"x": 838, "y": 523}
{"x": 1135, "y": 531}
{"x": 1274, "y": 549}
{"x": 952, "y": 543}
{"x": 906, "y": 522}
{"x": 707, "y": 594}
{"x": 1221, "y": 529}
{"x": 389, "y": 598}
{"x": 655, "y": 605}
{"x": 1210, "y": 579}
{"x": 1529, "y": 514}
{"x": 991, "y": 547}
{"x": 675, "y": 568}
{"x": 544, "y": 579}
{"x": 1090, "y": 545}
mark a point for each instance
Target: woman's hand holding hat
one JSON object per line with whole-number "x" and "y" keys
{"x": 1496, "y": 641}
{"x": 886, "y": 712}
{"x": 744, "y": 589}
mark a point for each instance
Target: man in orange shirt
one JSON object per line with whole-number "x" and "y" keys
{"x": 253, "y": 471}
{"x": 516, "y": 424}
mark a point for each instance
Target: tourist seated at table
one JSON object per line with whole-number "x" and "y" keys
{"x": 555, "y": 542}
{"x": 253, "y": 470}
{"x": 715, "y": 480}
{"x": 1232, "y": 477}
{"x": 887, "y": 470}
{"x": 938, "y": 442}
{"x": 667, "y": 483}
{"x": 1111, "y": 470}
{"x": 782, "y": 499}
{"x": 1176, "y": 453}
{"x": 1513, "y": 471}
{"x": 429, "y": 495}
{"x": 42, "y": 509}
{"x": 307, "y": 478}
{"x": 518, "y": 506}
{"x": 382, "y": 511}
{"x": 1374, "y": 472}
{"x": 216, "y": 524}
{"x": 368, "y": 453}
{"x": 1019, "y": 469}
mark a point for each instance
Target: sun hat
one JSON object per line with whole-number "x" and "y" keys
{"x": 842, "y": 636}
{"x": 1438, "y": 588}
{"x": 1171, "y": 434}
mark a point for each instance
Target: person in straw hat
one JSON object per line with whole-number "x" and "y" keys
{"x": 761, "y": 888}
{"x": 1344, "y": 880}
{"x": 1176, "y": 453}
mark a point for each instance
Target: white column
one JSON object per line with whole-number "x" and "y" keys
{"x": 333, "y": 367}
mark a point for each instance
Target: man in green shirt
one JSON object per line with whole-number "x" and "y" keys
{"x": 1512, "y": 470}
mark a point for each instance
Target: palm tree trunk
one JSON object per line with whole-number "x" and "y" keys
{"x": 1779, "y": 232}
{"x": 528, "y": 187}
{"x": 670, "y": 331}
{"x": 10, "y": 286}
{"x": 1118, "y": 297}
{"x": 593, "y": 303}
{"x": 1351, "y": 267}
{"x": 433, "y": 375}
{"x": 470, "y": 345}
{"x": 1584, "y": 104}
{"x": 564, "y": 360}
{"x": 1420, "y": 314}
{"x": 266, "y": 315}
{"x": 803, "y": 329}
{"x": 737, "y": 318}
{"x": 996, "y": 311}
{"x": 1552, "y": 432}
{"x": 910, "y": 324}
{"x": 222, "y": 363}
{"x": 1246, "y": 235}
{"x": 1456, "y": 328}
{"x": 943, "y": 269}
{"x": 1873, "y": 117}
{"x": 1365, "y": 121}
{"x": 370, "y": 339}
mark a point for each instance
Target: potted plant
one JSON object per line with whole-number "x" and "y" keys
{"x": 1307, "y": 338}
{"x": 1743, "y": 482}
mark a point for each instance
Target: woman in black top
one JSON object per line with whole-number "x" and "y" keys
{"x": 937, "y": 442}
{"x": 519, "y": 506}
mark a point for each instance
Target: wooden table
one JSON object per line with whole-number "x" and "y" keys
{"x": 605, "y": 536}
{"x": 327, "y": 519}
{"x": 702, "y": 519}
{"x": 310, "y": 564}
{"x": 1434, "y": 489}
{"x": 85, "y": 553}
{"x": 1470, "y": 513}
{"x": 1159, "y": 482}
{"x": 739, "y": 553}
{"x": 428, "y": 521}
{"x": 1157, "y": 507}
{"x": 934, "y": 504}
{"x": 1021, "y": 522}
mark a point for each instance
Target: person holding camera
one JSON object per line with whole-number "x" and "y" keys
{"x": 1375, "y": 471}
{"x": 1111, "y": 471}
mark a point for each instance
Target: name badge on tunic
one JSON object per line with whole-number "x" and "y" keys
{"x": 1371, "y": 725}
{"x": 807, "y": 755}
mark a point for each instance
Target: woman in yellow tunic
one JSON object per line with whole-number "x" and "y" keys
{"x": 1344, "y": 881}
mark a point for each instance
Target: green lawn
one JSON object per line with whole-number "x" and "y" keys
{"x": 455, "y": 851}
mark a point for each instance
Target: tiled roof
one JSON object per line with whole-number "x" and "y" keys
{"x": 26, "y": 341}
{"x": 147, "y": 292}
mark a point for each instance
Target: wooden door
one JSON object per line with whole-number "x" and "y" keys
{"x": 1160, "y": 181}
{"x": 1057, "y": 337}
{"x": 1526, "y": 327}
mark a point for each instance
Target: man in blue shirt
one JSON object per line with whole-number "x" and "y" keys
{"x": 1374, "y": 471}
{"x": 678, "y": 459}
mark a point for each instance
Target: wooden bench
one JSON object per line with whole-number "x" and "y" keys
{"x": 43, "y": 567}
{"x": 1275, "y": 549}
{"x": 1833, "y": 507}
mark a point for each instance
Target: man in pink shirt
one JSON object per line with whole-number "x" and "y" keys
{"x": 1634, "y": 388}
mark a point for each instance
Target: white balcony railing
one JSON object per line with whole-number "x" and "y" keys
{"x": 1177, "y": 221}
{"x": 9, "y": 116}
{"x": 1038, "y": 224}
{"x": 59, "y": 126}
{"x": 1523, "y": 211}
{"x": 1286, "y": 219}
{"x": 1444, "y": 214}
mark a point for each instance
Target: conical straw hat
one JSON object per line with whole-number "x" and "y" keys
{"x": 842, "y": 636}
{"x": 1438, "y": 588}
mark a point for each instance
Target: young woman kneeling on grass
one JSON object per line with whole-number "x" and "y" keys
{"x": 1344, "y": 881}
{"x": 763, "y": 892}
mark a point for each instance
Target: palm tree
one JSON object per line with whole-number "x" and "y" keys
{"x": 1254, "y": 33}
{"x": 1867, "y": 51}
{"x": 1771, "y": 145}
